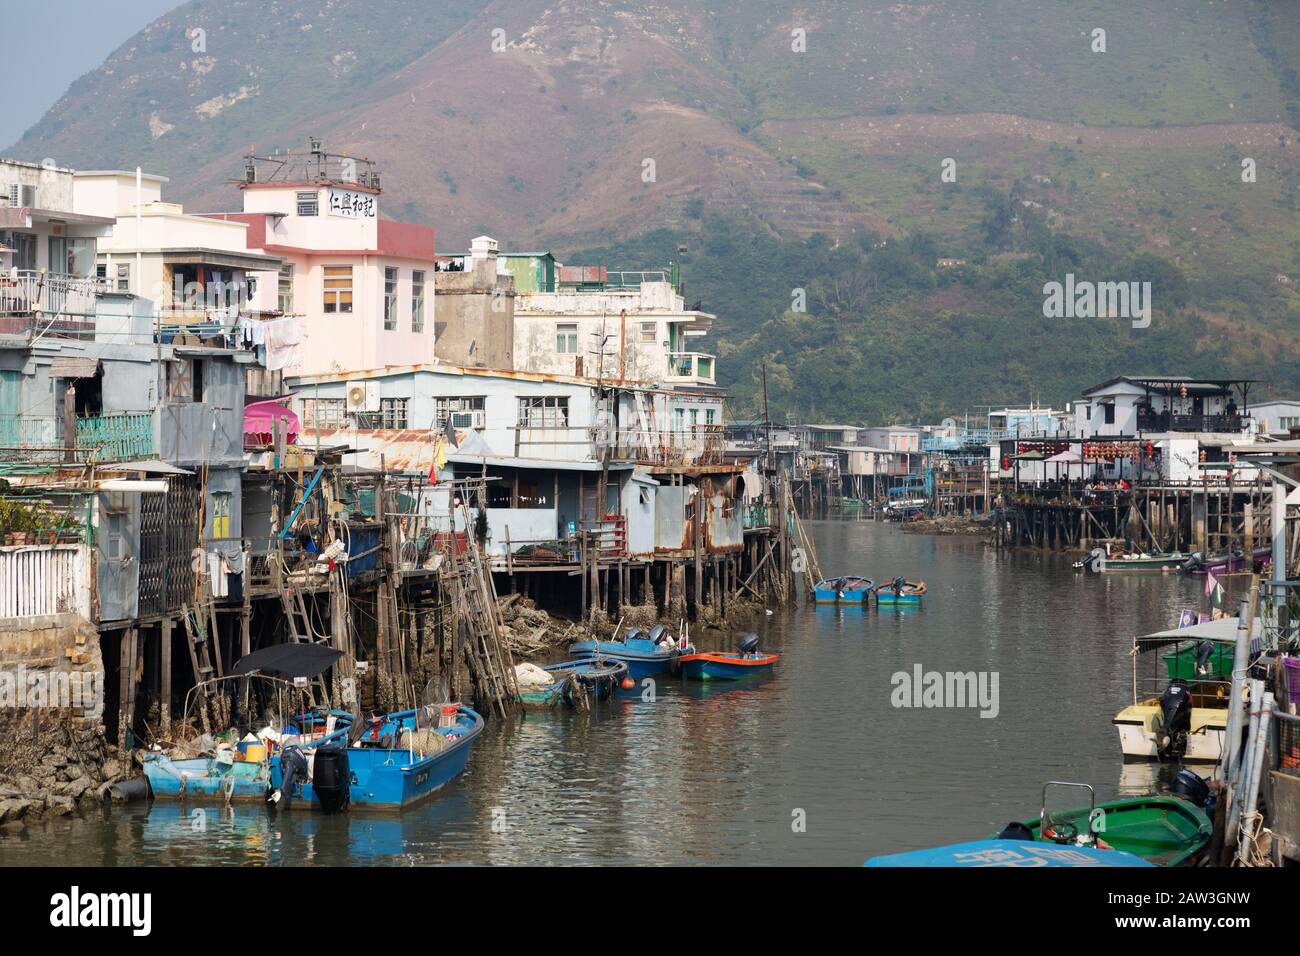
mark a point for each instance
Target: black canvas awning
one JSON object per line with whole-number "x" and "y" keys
{"x": 288, "y": 661}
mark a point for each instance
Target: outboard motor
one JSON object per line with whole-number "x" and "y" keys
{"x": 1015, "y": 830}
{"x": 1094, "y": 561}
{"x": 631, "y": 634}
{"x": 656, "y": 632}
{"x": 1193, "y": 563}
{"x": 293, "y": 771}
{"x": 331, "y": 779}
{"x": 749, "y": 643}
{"x": 1176, "y": 719}
{"x": 1191, "y": 787}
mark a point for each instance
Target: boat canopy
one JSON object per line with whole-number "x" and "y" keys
{"x": 1014, "y": 853}
{"x": 288, "y": 661}
{"x": 1223, "y": 630}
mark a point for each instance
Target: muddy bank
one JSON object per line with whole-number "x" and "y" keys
{"x": 952, "y": 524}
{"x": 534, "y": 635}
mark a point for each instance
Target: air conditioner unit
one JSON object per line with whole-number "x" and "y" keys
{"x": 363, "y": 397}
{"x": 476, "y": 419}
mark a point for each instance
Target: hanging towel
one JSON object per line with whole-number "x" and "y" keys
{"x": 283, "y": 339}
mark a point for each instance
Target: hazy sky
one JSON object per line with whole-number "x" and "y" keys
{"x": 54, "y": 43}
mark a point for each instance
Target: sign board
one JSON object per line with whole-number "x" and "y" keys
{"x": 349, "y": 204}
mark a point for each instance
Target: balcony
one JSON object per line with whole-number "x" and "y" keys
{"x": 690, "y": 368}
{"x": 966, "y": 438}
{"x": 47, "y": 303}
{"x": 38, "y": 440}
{"x": 1165, "y": 422}
{"x": 697, "y": 445}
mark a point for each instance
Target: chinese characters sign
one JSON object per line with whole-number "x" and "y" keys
{"x": 352, "y": 205}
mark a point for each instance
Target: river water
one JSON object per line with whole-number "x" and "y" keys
{"x": 812, "y": 765}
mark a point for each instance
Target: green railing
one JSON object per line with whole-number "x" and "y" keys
{"x": 117, "y": 437}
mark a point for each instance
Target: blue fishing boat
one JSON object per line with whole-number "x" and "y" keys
{"x": 645, "y": 654}
{"x": 218, "y": 777}
{"x": 395, "y": 761}
{"x": 729, "y": 665}
{"x": 233, "y": 772}
{"x": 900, "y": 593}
{"x": 576, "y": 683}
{"x": 1010, "y": 853}
{"x": 846, "y": 590}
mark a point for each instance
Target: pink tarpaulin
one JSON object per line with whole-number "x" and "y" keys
{"x": 259, "y": 422}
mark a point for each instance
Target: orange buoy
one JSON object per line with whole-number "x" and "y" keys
{"x": 628, "y": 683}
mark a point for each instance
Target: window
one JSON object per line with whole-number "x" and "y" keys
{"x": 338, "y": 288}
{"x": 710, "y": 416}
{"x": 566, "y": 338}
{"x": 221, "y": 514}
{"x": 1108, "y": 411}
{"x": 649, "y": 332}
{"x": 1286, "y": 423}
{"x": 551, "y": 411}
{"x": 124, "y": 278}
{"x": 392, "y": 413}
{"x": 325, "y": 412}
{"x": 390, "y": 299}
{"x": 308, "y": 203}
{"x": 285, "y": 301}
{"x": 465, "y": 412}
{"x": 417, "y": 301}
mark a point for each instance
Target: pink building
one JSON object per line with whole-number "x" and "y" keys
{"x": 360, "y": 285}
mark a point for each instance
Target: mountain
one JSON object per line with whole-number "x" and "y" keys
{"x": 539, "y": 121}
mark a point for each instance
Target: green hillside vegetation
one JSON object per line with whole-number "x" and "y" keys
{"x": 888, "y": 336}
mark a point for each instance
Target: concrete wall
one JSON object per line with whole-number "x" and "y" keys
{"x": 474, "y": 322}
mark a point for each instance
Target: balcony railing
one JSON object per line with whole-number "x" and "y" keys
{"x": 26, "y": 439}
{"x": 690, "y": 367}
{"x": 1165, "y": 422}
{"x": 697, "y": 445}
{"x": 47, "y": 303}
{"x": 966, "y": 438}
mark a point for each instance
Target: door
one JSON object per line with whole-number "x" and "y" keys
{"x": 119, "y": 565}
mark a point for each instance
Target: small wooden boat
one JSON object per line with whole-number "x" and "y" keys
{"x": 1226, "y": 562}
{"x": 729, "y": 665}
{"x": 644, "y": 654}
{"x": 900, "y": 593}
{"x": 1099, "y": 561}
{"x": 577, "y": 683}
{"x": 1179, "y": 711}
{"x": 221, "y": 777}
{"x": 850, "y": 589}
{"x": 1164, "y": 831}
{"x": 394, "y": 762}
{"x": 233, "y": 772}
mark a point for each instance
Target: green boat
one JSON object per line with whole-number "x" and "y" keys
{"x": 1166, "y": 831}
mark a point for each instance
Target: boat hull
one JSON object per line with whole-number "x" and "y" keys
{"x": 202, "y": 778}
{"x": 726, "y": 666}
{"x": 1139, "y": 733}
{"x": 386, "y": 778}
{"x": 897, "y": 600}
{"x": 848, "y": 596}
{"x": 596, "y": 680}
{"x": 1164, "y": 831}
{"x": 641, "y": 661}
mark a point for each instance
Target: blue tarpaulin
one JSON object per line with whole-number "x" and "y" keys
{"x": 1026, "y": 853}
